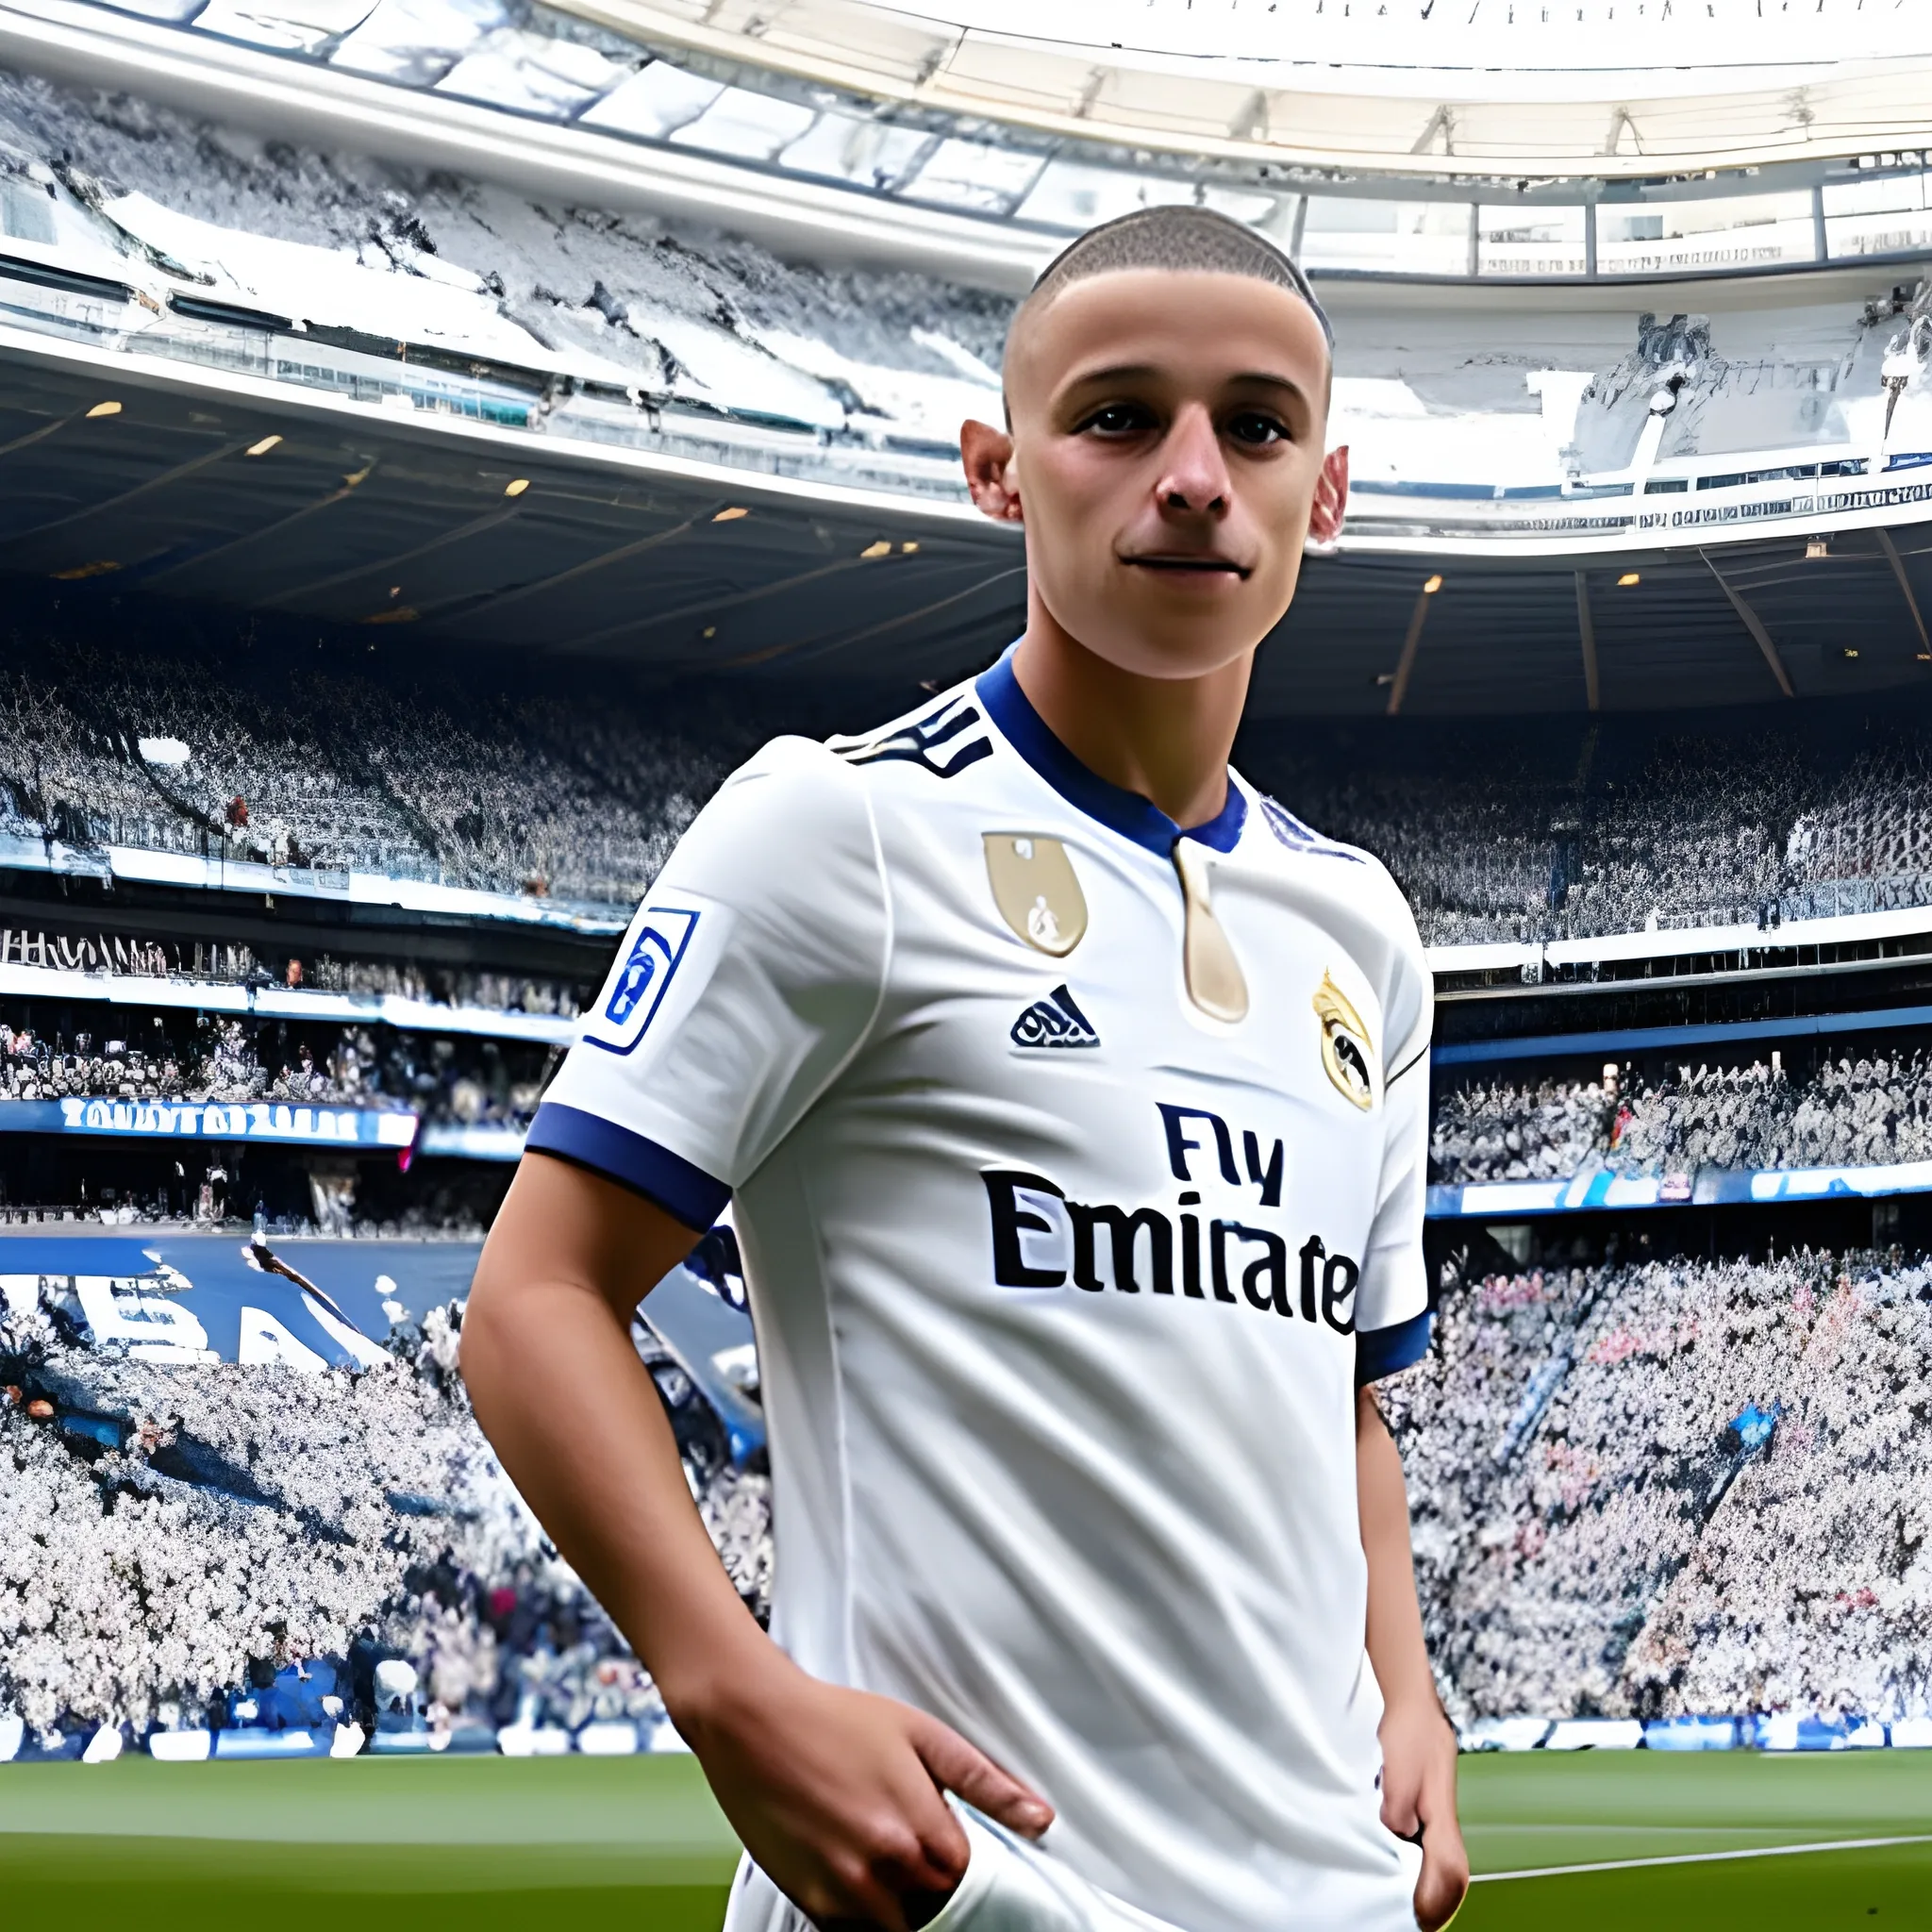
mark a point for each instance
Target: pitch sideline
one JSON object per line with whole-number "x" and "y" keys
{"x": 1844, "y": 1845}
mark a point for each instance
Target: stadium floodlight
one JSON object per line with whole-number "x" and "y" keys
{"x": 263, "y": 448}
{"x": 516, "y": 486}
{"x": 108, "y": 409}
{"x": 879, "y": 549}
{"x": 1629, "y": 577}
{"x": 732, "y": 515}
{"x": 1816, "y": 548}
{"x": 1433, "y": 584}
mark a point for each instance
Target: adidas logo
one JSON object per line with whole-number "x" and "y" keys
{"x": 1054, "y": 1022}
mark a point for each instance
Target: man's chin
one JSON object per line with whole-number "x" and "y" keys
{"x": 1174, "y": 652}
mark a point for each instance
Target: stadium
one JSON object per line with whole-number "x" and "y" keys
{"x": 441, "y": 440}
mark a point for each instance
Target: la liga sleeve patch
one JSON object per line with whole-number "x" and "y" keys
{"x": 663, "y": 941}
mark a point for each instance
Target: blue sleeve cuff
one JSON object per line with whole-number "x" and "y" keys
{"x": 665, "y": 1179}
{"x": 1383, "y": 1351}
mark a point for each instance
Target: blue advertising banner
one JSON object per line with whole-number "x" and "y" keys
{"x": 255, "y": 1120}
{"x": 1709, "y": 1187}
{"x": 183, "y": 1296}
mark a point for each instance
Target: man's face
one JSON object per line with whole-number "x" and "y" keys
{"x": 1166, "y": 456}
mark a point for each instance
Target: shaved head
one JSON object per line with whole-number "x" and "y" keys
{"x": 1180, "y": 239}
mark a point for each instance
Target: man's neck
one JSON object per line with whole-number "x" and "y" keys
{"x": 1166, "y": 739}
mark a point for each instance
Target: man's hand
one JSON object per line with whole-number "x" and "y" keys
{"x": 1419, "y": 1797}
{"x": 837, "y": 1794}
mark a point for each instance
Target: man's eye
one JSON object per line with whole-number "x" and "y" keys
{"x": 1119, "y": 419}
{"x": 1256, "y": 428}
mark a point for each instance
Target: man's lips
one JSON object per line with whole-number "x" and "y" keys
{"x": 1180, "y": 564}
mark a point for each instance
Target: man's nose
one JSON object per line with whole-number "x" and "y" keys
{"x": 1194, "y": 477}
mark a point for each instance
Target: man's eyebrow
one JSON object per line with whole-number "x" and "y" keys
{"x": 1267, "y": 379}
{"x": 1123, "y": 372}
{"x": 1120, "y": 372}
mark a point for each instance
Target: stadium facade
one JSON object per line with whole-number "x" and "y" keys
{"x": 437, "y": 443}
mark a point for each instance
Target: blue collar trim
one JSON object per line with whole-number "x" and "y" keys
{"x": 1123, "y": 811}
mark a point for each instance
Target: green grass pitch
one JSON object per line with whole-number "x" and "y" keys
{"x": 487, "y": 1844}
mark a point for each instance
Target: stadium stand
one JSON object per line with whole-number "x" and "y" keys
{"x": 308, "y": 757}
{"x": 425, "y": 989}
{"x": 1861, "y": 1108}
{"x": 500, "y": 1634}
{"x": 1570, "y": 830}
{"x": 321, "y": 768}
{"x": 157, "y": 1056}
{"x": 1650, "y": 1487}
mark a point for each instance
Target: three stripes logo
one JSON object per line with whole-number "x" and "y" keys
{"x": 1053, "y": 1023}
{"x": 933, "y": 741}
{"x": 1298, "y": 838}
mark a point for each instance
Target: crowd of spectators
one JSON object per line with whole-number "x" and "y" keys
{"x": 1855, "y": 1108}
{"x": 239, "y": 753}
{"x": 1678, "y": 1486}
{"x": 1639, "y": 1487}
{"x": 1506, "y": 831}
{"x": 1497, "y": 1131}
{"x": 1516, "y": 832}
{"x": 135, "y": 1593}
{"x": 237, "y": 964}
{"x": 207, "y": 1057}
{"x": 501, "y": 992}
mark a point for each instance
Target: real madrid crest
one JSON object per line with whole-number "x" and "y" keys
{"x": 1035, "y": 887}
{"x": 1348, "y": 1055}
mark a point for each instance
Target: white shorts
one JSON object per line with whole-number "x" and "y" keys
{"x": 1009, "y": 1886}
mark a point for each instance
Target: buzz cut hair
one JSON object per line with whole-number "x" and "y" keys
{"x": 1178, "y": 237}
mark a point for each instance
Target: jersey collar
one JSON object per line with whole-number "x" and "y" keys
{"x": 1121, "y": 811}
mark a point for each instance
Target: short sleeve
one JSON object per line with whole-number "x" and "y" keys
{"x": 747, "y": 978}
{"x": 1392, "y": 1306}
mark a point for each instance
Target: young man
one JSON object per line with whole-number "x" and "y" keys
{"x": 1072, "y": 1098}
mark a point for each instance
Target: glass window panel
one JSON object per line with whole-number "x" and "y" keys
{"x": 871, "y": 154}
{"x": 1882, "y": 194}
{"x": 177, "y": 12}
{"x": 1903, "y": 230}
{"x": 973, "y": 173}
{"x": 1523, "y": 241}
{"x": 1243, "y": 205}
{"x": 1885, "y": 216}
{"x": 1416, "y": 237}
{"x": 533, "y": 75}
{"x": 289, "y": 26}
{"x": 654, "y": 102}
{"x": 1733, "y": 231}
{"x": 742, "y": 123}
{"x": 26, "y": 212}
{"x": 416, "y": 42}
{"x": 1075, "y": 194}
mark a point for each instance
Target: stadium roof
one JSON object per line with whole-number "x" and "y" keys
{"x": 1605, "y": 87}
{"x": 704, "y": 119}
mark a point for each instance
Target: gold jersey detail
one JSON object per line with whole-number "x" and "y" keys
{"x": 1212, "y": 973}
{"x": 1036, "y": 891}
{"x": 1348, "y": 1055}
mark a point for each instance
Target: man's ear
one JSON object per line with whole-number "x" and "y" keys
{"x": 988, "y": 454}
{"x": 1331, "y": 497}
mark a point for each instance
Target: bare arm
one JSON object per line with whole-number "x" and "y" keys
{"x": 1418, "y": 1746}
{"x": 835, "y": 1794}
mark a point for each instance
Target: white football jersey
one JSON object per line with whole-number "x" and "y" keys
{"x": 1078, "y": 1166}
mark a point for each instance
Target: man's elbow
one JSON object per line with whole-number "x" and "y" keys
{"x": 479, "y": 1343}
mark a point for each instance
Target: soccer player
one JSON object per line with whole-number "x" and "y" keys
{"x": 1072, "y": 1099}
